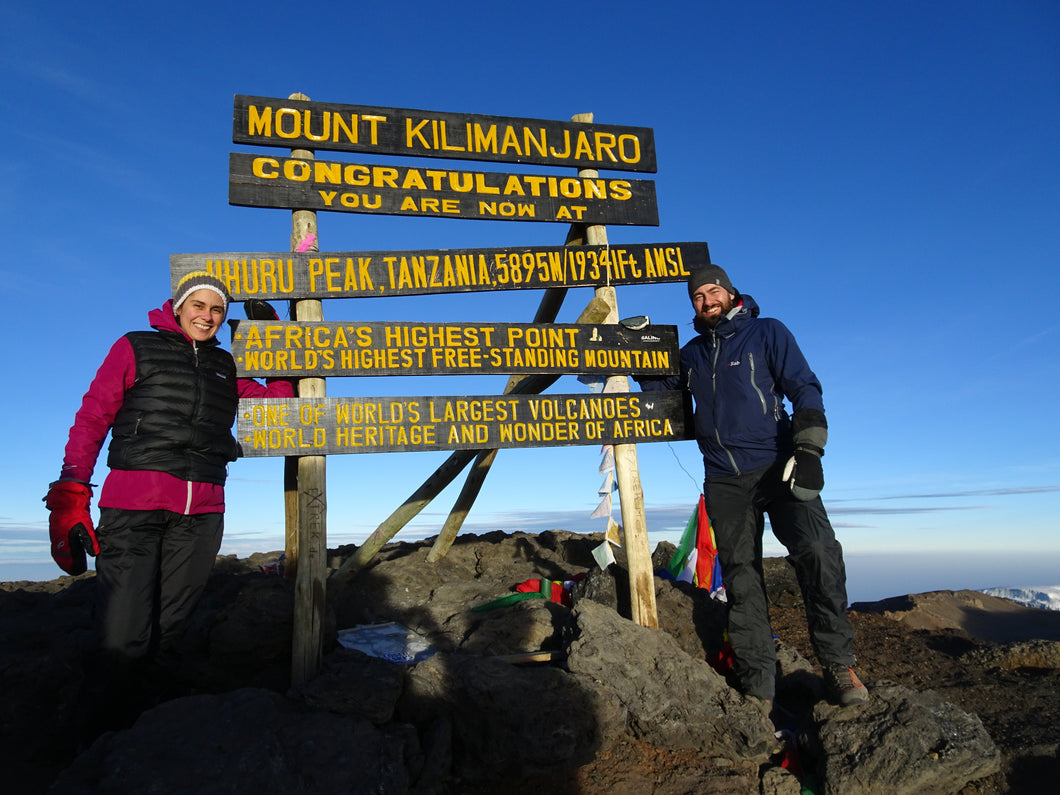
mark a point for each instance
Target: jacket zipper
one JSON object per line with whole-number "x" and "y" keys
{"x": 754, "y": 384}
{"x": 714, "y": 390}
{"x": 195, "y": 411}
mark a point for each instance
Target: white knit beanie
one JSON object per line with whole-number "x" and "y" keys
{"x": 199, "y": 280}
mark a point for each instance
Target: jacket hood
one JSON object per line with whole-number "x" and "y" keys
{"x": 163, "y": 319}
{"x": 746, "y": 309}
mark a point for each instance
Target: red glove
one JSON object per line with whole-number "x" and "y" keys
{"x": 70, "y": 525}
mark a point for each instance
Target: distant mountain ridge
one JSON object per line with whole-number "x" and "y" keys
{"x": 1045, "y": 597}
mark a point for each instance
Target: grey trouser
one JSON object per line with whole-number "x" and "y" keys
{"x": 151, "y": 570}
{"x": 736, "y": 507}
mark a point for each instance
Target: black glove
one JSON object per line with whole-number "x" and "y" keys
{"x": 256, "y": 309}
{"x": 804, "y": 474}
{"x": 635, "y": 323}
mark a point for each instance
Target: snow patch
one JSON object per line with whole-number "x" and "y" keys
{"x": 1044, "y": 597}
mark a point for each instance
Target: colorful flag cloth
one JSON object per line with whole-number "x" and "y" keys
{"x": 603, "y": 554}
{"x": 696, "y": 557}
{"x": 553, "y": 590}
{"x": 603, "y": 509}
{"x": 537, "y": 588}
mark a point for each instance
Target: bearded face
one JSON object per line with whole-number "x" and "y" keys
{"x": 711, "y": 302}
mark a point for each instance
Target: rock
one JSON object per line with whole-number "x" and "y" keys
{"x": 352, "y": 683}
{"x": 1040, "y": 654}
{"x": 253, "y": 632}
{"x": 778, "y": 781}
{"x": 248, "y": 740}
{"x": 435, "y": 599}
{"x": 691, "y": 617}
{"x": 608, "y": 587}
{"x": 982, "y": 616}
{"x": 900, "y": 742}
{"x": 672, "y": 699}
{"x": 527, "y": 626}
{"x": 510, "y": 721}
{"x": 616, "y": 708}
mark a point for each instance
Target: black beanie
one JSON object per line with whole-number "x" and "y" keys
{"x": 709, "y": 274}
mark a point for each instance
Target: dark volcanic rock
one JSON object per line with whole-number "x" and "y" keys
{"x": 511, "y": 722}
{"x": 672, "y": 700}
{"x": 900, "y": 742}
{"x": 248, "y": 740}
{"x": 612, "y": 707}
{"x": 353, "y": 683}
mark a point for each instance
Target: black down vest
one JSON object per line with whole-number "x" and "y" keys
{"x": 177, "y": 417}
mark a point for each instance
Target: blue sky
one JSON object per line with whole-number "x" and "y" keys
{"x": 883, "y": 177}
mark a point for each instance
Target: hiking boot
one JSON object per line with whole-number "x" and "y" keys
{"x": 844, "y": 687}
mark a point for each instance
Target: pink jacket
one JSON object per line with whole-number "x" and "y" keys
{"x": 139, "y": 490}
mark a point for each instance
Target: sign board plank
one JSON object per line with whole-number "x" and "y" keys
{"x": 283, "y": 349}
{"x": 334, "y": 425}
{"x": 326, "y": 126}
{"x": 295, "y": 184}
{"x": 366, "y": 274}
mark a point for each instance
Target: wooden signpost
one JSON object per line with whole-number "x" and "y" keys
{"x": 332, "y": 426}
{"x": 308, "y": 428}
{"x": 300, "y": 123}
{"x": 375, "y": 274}
{"x": 301, "y": 183}
{"x": 282, "y": 349}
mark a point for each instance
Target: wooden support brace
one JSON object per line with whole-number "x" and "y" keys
{"x": 547, "y": 311}
{"x": 431, "y": 488}
{"x": 450, "y": 468}
{"x": 595, "y": 312}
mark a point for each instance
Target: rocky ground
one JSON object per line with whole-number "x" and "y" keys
{"x": 966, "y": 689}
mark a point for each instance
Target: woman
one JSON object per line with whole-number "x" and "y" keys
{"x": 169, "y": 398}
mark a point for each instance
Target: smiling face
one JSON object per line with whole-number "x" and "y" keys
{"x": 711, "y": 302}
{"x": 201, "y": 315}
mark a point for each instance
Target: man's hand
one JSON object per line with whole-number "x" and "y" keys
{"x": 70, "y": 525}
{"x": 804, "y": 474}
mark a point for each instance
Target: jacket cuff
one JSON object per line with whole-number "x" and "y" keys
{"x": 809, "y": 429}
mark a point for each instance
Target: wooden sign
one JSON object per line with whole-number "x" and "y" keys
{"x": 294, "y": 124}
{"x": 331, "y": 426}
{"x": 306, "y": 349}
{"x": 366, "y": 274}
{"x": 295, "y": 184}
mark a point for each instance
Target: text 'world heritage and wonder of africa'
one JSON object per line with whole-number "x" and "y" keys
{"x": 329, "y": 426}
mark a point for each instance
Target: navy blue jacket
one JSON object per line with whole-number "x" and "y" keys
{"x": 739, "y": 374}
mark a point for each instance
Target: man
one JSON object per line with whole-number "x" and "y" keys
{"x": 757, "y": 461}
